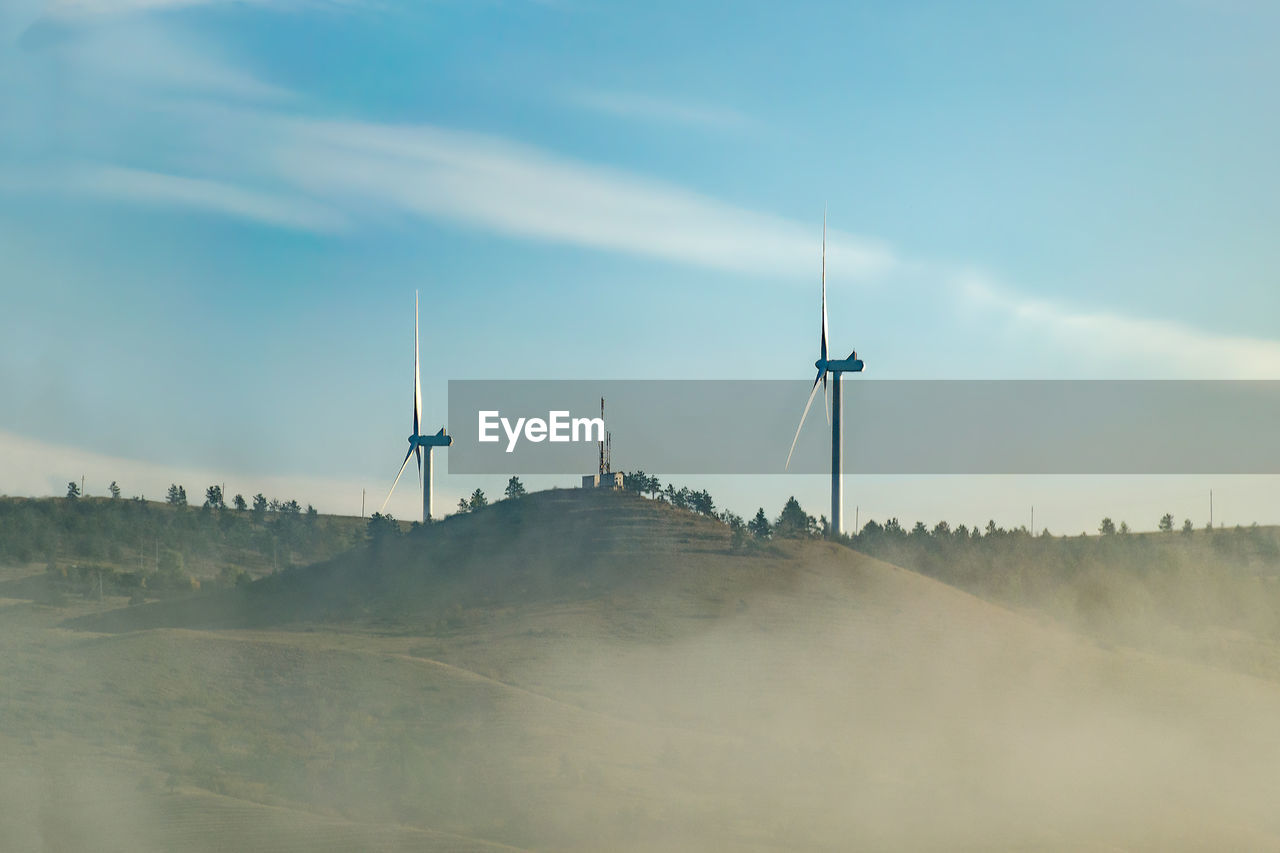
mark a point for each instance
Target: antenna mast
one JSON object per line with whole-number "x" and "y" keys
{"x": 602, "y": 461}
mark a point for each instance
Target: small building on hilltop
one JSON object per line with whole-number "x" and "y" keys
{"x": 603, "y": 480}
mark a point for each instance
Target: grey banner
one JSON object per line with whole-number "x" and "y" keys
{"x": 889, "y": 427}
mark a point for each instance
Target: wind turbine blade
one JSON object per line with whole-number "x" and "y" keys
{"x": 824, "y": 283}
{"x": 812, "y": 391}
{"x": 397, "y": 480}
{"x": 417, "y": 449}
{"x": 826, "y": 404}
{"x": 417, "y": 376}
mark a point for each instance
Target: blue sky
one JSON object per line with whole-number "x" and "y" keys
{"x": 213, "y": 216}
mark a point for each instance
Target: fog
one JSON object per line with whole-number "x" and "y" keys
{"x": 916, "y": 718}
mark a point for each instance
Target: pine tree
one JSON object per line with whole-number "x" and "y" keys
{"x": 515, "y": 489}
{"x": 759, "y": 526}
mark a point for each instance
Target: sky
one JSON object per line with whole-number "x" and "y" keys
{"x": 214, "y": 216}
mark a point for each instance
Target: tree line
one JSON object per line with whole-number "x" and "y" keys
{"x": 136, "y": 546}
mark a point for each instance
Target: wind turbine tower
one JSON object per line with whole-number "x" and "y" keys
{"x": 834, "y": 367}
{"x": 417, "y": 441}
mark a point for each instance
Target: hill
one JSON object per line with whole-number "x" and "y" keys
{"x": 582, "y": 671}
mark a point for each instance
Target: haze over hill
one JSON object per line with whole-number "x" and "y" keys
{"x": 589, "y": 671}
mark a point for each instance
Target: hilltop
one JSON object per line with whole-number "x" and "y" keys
{"x": 553, "y": 546}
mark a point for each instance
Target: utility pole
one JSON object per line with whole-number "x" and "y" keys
{"x": 1033, "y": 519}
{"x": 362, "y": 503}
{"x": 1211, "y": 509}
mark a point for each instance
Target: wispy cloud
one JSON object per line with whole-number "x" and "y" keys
{"x": 313, "y": 175}
{"x": 214, "y": 152}
{"x": 1144, "y": 348}
{"x": 633, "y": 105}
{"x": 156, "y": 188}
{"x": 514, "y": 189}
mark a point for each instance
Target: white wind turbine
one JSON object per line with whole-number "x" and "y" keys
{"x": 835, "y": 367}
{"x": 417, "y": 441}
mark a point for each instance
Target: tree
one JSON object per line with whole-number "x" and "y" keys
{"x": 259, "y": 507}
{"x": 737, "y": 529}
{"x": 793, "y": 522}
{"x": 177, "y": 495}
{"x": 73, "y": 490}
{"x": 1187, "y": 527}
{"x": 759, "y": 526}
{"x": 382, "y": 527}
{"x": 1124, "y": 528}
{"x": 213, "y": 498}
{"x": 478, "y": 501}
{"x": 312, "y": 514}
{"x": 239, "y": 503}
{"x": 1107, "y": 527}
{"x": 635, "y": 481}
{"x": 1166, "y": 523}
{"x": 701, "y": 502}
{"x": 463, "y": 506}
{"x": 654, "y": 487}
{"x": 114, "y": 489}
{"x": 515, "y": 489}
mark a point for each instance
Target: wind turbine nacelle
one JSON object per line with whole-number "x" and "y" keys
{"x": 844, "y": 365}
{"x": 440, "y": 439}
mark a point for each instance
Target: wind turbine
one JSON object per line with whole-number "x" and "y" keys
{"x": 835, "y": 367}
{"x": 417, "y": 441}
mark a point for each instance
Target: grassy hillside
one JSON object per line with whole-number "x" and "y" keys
{"x": 580, "y": 671}
{"x": 133, "y": 546}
